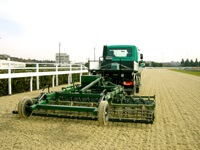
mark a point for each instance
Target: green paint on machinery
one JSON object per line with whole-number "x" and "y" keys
{"x": 106, "y": 94}
{"x": 121, "y": 65}
{"x": 93, "y": 98}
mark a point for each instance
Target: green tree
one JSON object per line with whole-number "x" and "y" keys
{"x": 196, "y": 62}
{"x": 187, "y": 63}
{"x": 146, "y": 64}
{"x": 155, "y": 64}
{"x": 182, "y": 62}
{"x": 191, "y": 63}
{"x": 87, "y": 64}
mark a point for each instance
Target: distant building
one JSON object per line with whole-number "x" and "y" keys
{"x": 175, "y": 63}
{"x": 171, "y": 64}
{"x": 64, "y": 59}
{"x": 13, "y": 64}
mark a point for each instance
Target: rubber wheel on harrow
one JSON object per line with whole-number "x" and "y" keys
{"x": 137, "y": 89}
{"x": 134, "y": 90}
{"x": 103, "y": 114}
{"x": 23, "y": 109}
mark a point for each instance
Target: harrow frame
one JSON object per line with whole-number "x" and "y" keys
{"x": 96, "y": 98}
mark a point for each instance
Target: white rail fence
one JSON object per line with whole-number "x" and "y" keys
{"x": 36, "y": 71}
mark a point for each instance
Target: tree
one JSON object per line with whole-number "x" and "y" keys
{"x": 87, "y": 64}
{"x": 196, "y": 62}
{"x": 147, "y": 64}
{"x": 155, "y": 64}
{"x": 191, "y": 63}
{"x": 182, "y": 62}
{"x": 187, "y": 63}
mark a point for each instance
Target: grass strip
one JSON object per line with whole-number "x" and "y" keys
{"x": 195, "y": 73}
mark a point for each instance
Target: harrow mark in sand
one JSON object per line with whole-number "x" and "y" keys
{"x": 93, "y": 99}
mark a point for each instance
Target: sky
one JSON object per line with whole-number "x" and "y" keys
{"x": 163, "y": 30}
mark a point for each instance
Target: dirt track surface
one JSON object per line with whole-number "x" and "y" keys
{"x": 177, "y": 124}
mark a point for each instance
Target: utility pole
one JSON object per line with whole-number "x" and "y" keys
{"x": 94, "y": 53}
{"x": 59, "y": 54}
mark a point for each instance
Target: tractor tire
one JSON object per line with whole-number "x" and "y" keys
{"x": 134, "y": 90}
{"x": 137, "y": 89}
{"x": 19, "y": 108}
{"x": 23, "y": 109}
{"x": 103, "y": 114}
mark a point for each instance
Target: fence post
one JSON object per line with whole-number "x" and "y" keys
{"x": 31, "y": 84}
{"x": 70, "y": 75}
{"x": 70, "y": 67}
{"x": 80, "y": 74}
{"x": 56, "y": 74}
{"x": 9, "y": 79}
{"x": 69, "y": 78}
{"x": 37, "y": 77}
{"x": 53, "y": 80}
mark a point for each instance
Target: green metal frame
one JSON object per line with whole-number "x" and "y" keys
{"x": 86, "y": 99}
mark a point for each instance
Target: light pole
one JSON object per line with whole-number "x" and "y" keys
{"x": 59, "y": 55}
{"x": 94, "y": 53}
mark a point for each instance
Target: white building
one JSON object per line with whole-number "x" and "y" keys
{"x": 13, "y": 64}
{"x": 64, "y": 59}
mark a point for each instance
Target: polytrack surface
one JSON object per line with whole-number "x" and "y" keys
{"x": 177, "y": 124}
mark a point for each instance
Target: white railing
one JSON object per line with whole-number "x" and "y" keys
{"x": 70, "y": 69}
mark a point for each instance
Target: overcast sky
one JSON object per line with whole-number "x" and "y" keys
{"x": 164, "y": 30}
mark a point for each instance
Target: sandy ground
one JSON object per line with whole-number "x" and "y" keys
{"x": 177, "y": 124}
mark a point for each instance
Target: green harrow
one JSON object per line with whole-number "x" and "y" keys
{"x": 95, "y": 98}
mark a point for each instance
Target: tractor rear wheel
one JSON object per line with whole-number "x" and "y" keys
{"x": 23, "y": 107}
{"x": 103, "y": 114}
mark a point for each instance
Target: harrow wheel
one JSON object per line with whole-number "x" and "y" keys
{"x": 23, "y": 107}
{"x": 137, "y": 89}
{"x": 103, "y": 114}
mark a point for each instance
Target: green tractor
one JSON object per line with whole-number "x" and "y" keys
{"x": 105, "y": 95}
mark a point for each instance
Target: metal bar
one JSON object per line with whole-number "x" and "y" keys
{"x": 67, "y": 108}
{"x": 34, "y": 106}
{"x": 112, "y": 119}
{"x": 129, "y": 96}
{"x": 33, "y": 68}
{"x": 74, "y": 103}
{"x": 85, "y": 95}
{"x": 133, "y": 105}
{"x": 90, "y": 85}
{"x": 34, "y": 74}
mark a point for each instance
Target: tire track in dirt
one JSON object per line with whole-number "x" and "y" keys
{"x": 186, "y": 105}
{"x": 174, "y": 106}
